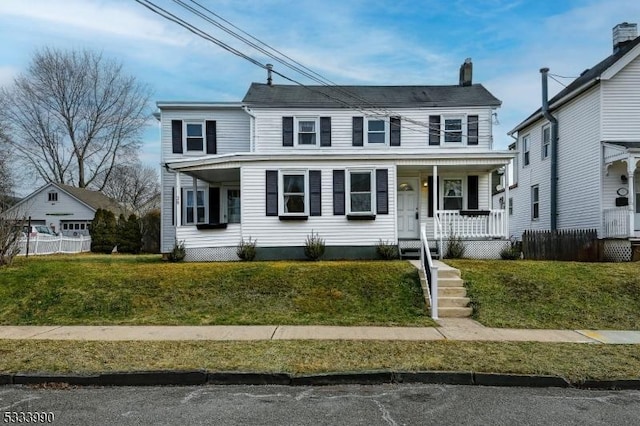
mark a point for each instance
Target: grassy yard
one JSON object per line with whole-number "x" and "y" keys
{"x": 541, "y": 294}
{"x": 119, "y": 289}
{"x": 572, "y": 361}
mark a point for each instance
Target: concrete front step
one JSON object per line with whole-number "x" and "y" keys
{"x": 454, "y": 312}
{"x": 452, "y": 292}
{"x": 449, "y": 282}
{"x": 453, "y": 302}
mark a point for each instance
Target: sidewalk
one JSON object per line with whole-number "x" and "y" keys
{"x": 462, "y": 329}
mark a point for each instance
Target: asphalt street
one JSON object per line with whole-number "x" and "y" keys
{"x": 330, "y": 405}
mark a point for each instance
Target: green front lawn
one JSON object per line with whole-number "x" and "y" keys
{"x": 120, "y": 289}
{"x": 546, "y": 294}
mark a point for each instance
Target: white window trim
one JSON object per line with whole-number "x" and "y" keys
{"x": 224, "y": 207}
{"x": 464, "y": 190}
{"x": 463, "y": 126}
{"x": 205, "y": 190}
{"x": 296, "y": 131}
{"x": 526, "y": 149}
{"x": 548, "y": 143}
{"x": 387, "y": 135}
{"x": 535, "y": 202}
{"x": 184, "y": 138}
{"x": 372, "y": 174}
{"x": 281, "y": 174}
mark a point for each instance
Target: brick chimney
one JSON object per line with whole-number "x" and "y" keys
{"x": 622, "y": 33}
{"x": 466, "y": 73}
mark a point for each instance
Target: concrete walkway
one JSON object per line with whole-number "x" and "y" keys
{"x": 459, "y": 329}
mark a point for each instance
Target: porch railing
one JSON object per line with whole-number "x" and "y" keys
{"x": 430, "y": 272}
{"x": 616, "y": 222}
{"x": 471, "y": 224}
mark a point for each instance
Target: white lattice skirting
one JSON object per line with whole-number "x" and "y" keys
{"x": 617, "y": 251}
{"x": 480, "y": 249}
{"x": 211, "y": 254}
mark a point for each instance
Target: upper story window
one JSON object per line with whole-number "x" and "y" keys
{"x": 525, "y": 150}
{"x": 307, "y": 134}
{"x": 294, "y": 193}
{"x": 377, "y": 130}
{"x": 361, "y": 196}
{"x": 194, "y": 137}
{"x": 452, "y": 130}
{"x": 452, "y": 196}
{"x": 52, "y": 196}
{"x": 546, "y": 141}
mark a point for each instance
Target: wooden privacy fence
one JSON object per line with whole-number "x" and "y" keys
{"x": 571, "y": 244}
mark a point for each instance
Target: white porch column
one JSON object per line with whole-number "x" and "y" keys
{"x": 506, "y": 199}
{"x": 434, "y": 195}
{"x": 631, "y": 169}
{"x": 178, "y": 200}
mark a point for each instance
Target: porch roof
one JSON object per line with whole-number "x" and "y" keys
{"x": 405, "y": 158}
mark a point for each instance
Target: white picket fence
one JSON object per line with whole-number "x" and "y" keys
{"x": 49, "y": 244}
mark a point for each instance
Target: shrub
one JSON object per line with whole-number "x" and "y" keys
{"x": 455, "y": 248}
{"x": 10, "y": 233}
{"x": 246, "y": 250}
{"x": 314, "y": 246}
{"x": 386, "y": 250}
{"x": 511, "y": 252}
{"x": 151, "y": 231}
{"x": 103, "y": 232}
{"x": 129, "y": 235}
{"x": 178, "y": 253}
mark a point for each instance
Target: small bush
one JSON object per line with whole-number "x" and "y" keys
{"x": 103, "y": 232}
{"x": 247, "y": 250}
{"x": 178, "y": 253}
{"x": 513, "y": 251}
{"x": 314, "y": 246}
{"x": 455, "y": 248}
{"x": 386, "y": 250}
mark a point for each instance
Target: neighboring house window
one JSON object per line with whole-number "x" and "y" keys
{"x": 535, "y": 202}
{"x": 194, "y": 137}
{"x": 510, "y": 206}
{"x": 53, "y": 196}
{"x": 195, "y": 207}
{"x": 294, "y": 193}
{"x": 453, "y": 130}
{"x": 233, "y": 205}
{"x": 452, "y": 195}
{"x": 360, "y": 197}
{"x": 525, "y": 150}
{"x": 377, "y": 131}
{"x": 307, "y": 134}
{"x": 546, "y": 141}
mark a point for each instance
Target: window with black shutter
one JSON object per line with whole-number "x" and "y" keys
{"x": 434, "y": 130}
{"x": 472, "y": 130}
{"x": 287, "y": 131}
{"x": 357, "y": 136}
{"x": 338, "y": 192}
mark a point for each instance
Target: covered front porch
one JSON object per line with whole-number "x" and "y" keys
{"x": 621, "y": 191}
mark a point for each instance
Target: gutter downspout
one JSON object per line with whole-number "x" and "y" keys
{"x": 554, "y": 149}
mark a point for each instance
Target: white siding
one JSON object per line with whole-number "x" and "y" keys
{"x": 67, "y": 208}
{"x": 167, "y": 229}
{"x": 335, "y": 230}
{"x": 413, "y": 136}
{"x": 621, "y": 104}
{"x": 195, "y": 238}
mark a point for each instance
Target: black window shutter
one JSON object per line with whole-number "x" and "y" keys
{"x": 434, "y": 130}
{"x": 338, "y": 192}
{"x": 382, "y": 191}
{"x": 325, "y": 131}
{"x": 214, "y": 205}
{"x": 394, "y": 137}
{"x": 173, "y": 206}
{"x": 430, "y": 197}
{"x": 315, "y": 192}
{"x": 176, "y": 136}
{"x": 272, "y": 192}
{"x": 358, "y": 123}
{"x": 212, "y": 143}
{"x": 472, "y": 130}
{"x": 287, "y": 131}
{"x": 472, "y": 189}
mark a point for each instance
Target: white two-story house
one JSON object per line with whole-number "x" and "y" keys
{"x": 594, "y": 124}
{"x": 355, "y": 164}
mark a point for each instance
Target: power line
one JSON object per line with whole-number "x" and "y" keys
{"x": 562, "y": 76}
{"x": 557, "y": 81}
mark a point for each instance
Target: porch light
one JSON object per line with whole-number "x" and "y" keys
{"x": 624, "y": 178}
{"x": 425, "y": 183}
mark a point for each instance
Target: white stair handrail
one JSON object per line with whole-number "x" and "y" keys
{"x": 430, "y": 272}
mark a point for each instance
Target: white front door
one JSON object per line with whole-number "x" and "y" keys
{"x": 408, "y": 222}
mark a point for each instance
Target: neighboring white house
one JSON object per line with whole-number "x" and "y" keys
{"x": 65, "y": 209}
{"x": 598, "y": 151}
{"x": 355, "y": 164}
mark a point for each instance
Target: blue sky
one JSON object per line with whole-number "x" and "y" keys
{"x": 348, "y": 41}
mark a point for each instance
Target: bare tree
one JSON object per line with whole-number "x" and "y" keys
{"x": 6, "y": 177}
{"x": 136, "y": 186}
{"x": 74, "y": 115}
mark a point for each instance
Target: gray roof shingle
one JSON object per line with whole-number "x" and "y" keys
{"x": 94, "y": 199}
{"x": 279, "y": 96}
